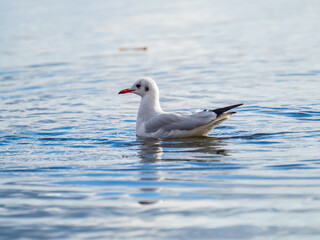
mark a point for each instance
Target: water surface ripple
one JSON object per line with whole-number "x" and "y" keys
{"x": 71, "y": 165}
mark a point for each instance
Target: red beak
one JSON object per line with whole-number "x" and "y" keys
{"x": 127, "y": 90}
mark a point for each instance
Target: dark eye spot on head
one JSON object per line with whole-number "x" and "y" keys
{"x": 138, "y": 85}
{"x": 147, "y": 89}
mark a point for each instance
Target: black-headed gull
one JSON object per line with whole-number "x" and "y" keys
{"x": 153, "y": 122}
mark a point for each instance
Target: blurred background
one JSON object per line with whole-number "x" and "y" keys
{"x": 71, "y": 165}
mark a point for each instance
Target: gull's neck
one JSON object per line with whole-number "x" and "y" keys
{"x": 149, "y": 106}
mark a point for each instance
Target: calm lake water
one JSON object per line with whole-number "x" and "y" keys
{"x": 71, "y": 165}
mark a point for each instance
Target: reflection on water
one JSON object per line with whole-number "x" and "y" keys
{"x": 154, "y": 151}
{"x": 150, "y": 150}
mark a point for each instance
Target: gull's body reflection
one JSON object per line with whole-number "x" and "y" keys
{"x": 150, "y": 150}
{"x": 154, "y": 152}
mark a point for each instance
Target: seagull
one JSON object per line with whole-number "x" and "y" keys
{"x": 153, "y": 122}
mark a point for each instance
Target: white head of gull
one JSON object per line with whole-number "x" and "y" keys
{"x": 153, "y": 122}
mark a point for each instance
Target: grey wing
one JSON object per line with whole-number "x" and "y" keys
{"x": 174, "y": 121}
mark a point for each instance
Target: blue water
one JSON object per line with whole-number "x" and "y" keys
{"x": 71, "y": 165}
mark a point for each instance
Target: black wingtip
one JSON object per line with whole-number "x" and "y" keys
{"x": 219, "y": 111}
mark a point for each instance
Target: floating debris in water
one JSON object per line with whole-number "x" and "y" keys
{"x": 133, "y": 49}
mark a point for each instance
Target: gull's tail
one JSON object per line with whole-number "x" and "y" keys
{"x": 220, "y": 111}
